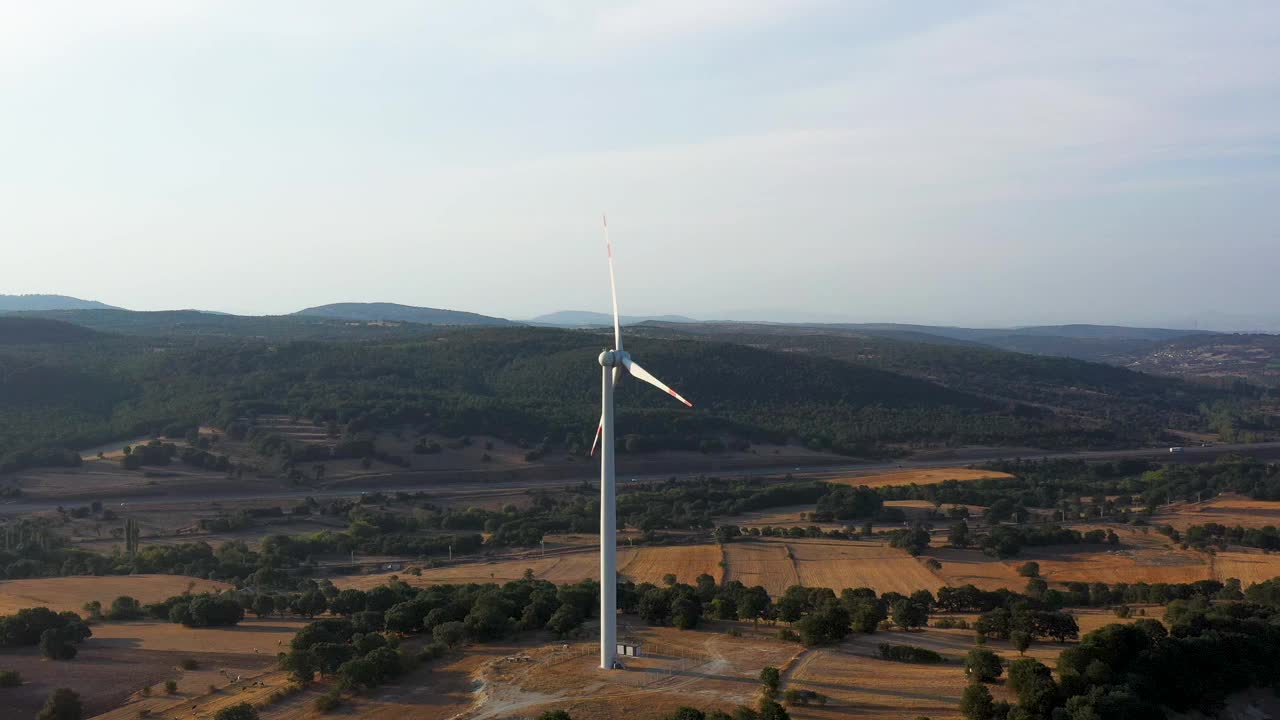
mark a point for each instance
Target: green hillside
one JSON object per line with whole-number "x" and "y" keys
{"x": 542, "y": 385}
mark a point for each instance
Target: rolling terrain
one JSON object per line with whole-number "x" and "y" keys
{"x": 392, "y": 312}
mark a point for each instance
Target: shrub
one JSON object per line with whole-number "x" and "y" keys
{"x": 327, "y": 702}
{"x": 10, "y": 678}
{"x": 188, "y": 663}
{"x": 909, "y": 654}
{"x": 63, "y": 704}
{"x": 788, "y": 634}
{"x": 770, "y": 678}
{"x": 242, "y": 711}
{"x": 555, "y": 715}
{"x": 171, "y": 686}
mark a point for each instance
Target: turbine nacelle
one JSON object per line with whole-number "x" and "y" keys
{"x": 614, "y": 359}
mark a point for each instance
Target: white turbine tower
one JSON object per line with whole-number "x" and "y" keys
{"x": 613, "y": 364}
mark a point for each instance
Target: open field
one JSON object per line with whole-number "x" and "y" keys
{"x": 760, "y": 563}
{"x": 1229, "y": 510}
{"x": 787, "y": 516}
{"x": 972, "y": 567}
{"x": 253, "y": 636}
{"x": 929, "y": 476}
{"x": 840, "y": 564}
{"x": 71, "y": 593}
{"x": 1246, "y": 565}
{"x": 640, "y": 564}
{"x": 650, "y": 564}
{"x": 121, "y": 659}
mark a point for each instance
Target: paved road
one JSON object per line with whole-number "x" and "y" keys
{"x": 467, "y": 487}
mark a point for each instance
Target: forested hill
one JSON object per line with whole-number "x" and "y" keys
{"x": 1064, "y": 387}
{"x": 538, "y": 385}
{"x": 21, "y": 303}
{"x": 391, "y": 312}
{"x": 36, "y": 331}
{"x": 194, "y": 323}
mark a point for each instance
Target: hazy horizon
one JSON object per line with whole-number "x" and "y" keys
{"x": 996, "y": 165}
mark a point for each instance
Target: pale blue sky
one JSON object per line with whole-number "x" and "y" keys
{"x": 984, "y": 163}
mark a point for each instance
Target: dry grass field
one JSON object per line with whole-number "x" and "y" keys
{"x": 1227, "y": 510}
{"x": 640, "y": 564}
{"x": 1246, "y": 565}
{"x": 972, "y": 567}
{"x": 253, "y": 636}
{"x": 760, "y": 563}
{"x": 686, "y": 562}
{"x": 840, "y": 564}
{"x": 71, "y": 593}
{"x": 121, "y": 659}
{"x": 788, "y": 516}
{"x": 930, "y": 476}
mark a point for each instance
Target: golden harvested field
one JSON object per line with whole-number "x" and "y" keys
{"x": 641, "y": 564}
{"x": 921, "y": 508}
{"x": 496, "y": 571}
{"x": 972, "y": 567}
{"x": 931, "y": 476}
{"x": 760, "y": 563}
{"x": 840, "y": 564}
{"x": 1246, "y": 565}
{"x": 788, "y": 516}
{"x": 1230, "y": 510}
{"x": 1120, "y": 566}
{"x": 857, "y": 683}
{"x": 649, "y": 564}
{"x": 253, "y": 636}
{"x": 71, "y": 593}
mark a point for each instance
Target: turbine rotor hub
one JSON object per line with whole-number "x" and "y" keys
{"x": 614, "y": 358}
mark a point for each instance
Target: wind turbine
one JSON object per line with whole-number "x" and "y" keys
{"x": 613, "y": 363}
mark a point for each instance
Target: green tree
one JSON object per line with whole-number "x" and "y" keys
{"x": 976, "y": 703}
{"x": 907, "y": 614}
{"x": 982, "y": 665}
{"x": 451, "y": 633}
{"x": 55, "y": 645}
{"x": 770, "y": 680}
{"x": 1021, "y": 641}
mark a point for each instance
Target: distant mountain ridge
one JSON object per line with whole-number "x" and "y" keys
{"x": 586, "y": 318}
{"x": 393, "y": 312}
{"x": 28, "y": 303}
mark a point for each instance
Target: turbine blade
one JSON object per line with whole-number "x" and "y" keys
{"x": 596, "y": 441}
{"x": 642, "y": 374}
{"x": 613, "y": 289}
